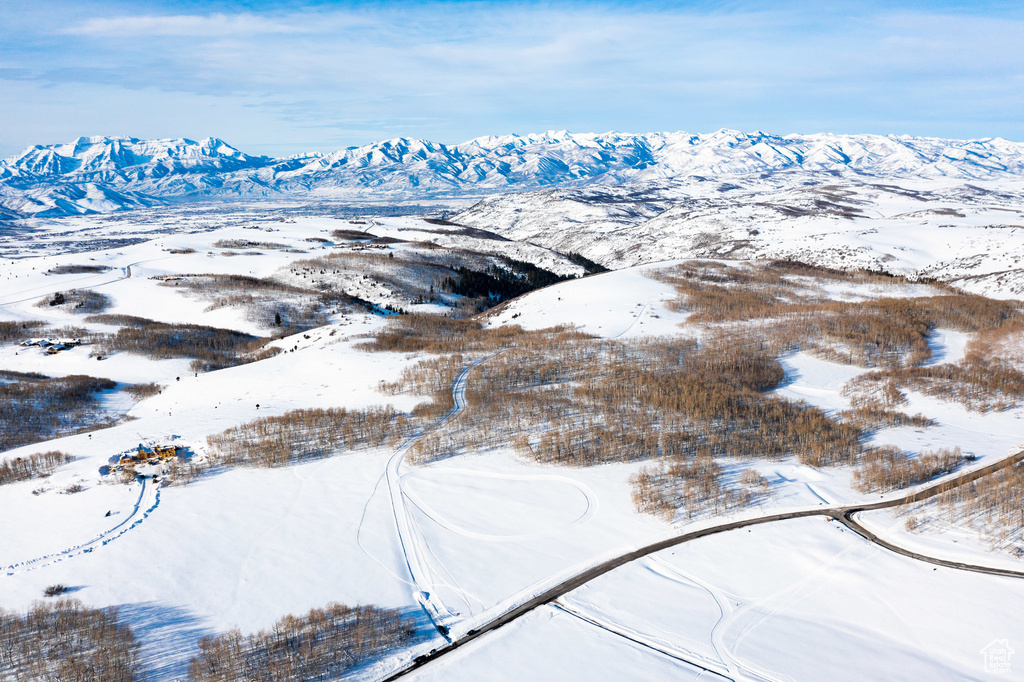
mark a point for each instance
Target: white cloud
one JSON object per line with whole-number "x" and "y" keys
{"x": 185, "y": 25}
{"x": 456, "y": 70}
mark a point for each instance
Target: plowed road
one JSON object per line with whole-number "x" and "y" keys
{"x": 842, "y": 513}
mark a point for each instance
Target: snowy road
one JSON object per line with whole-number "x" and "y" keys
{"x": 426, "y": 578}
{"x": 838, "y": 512}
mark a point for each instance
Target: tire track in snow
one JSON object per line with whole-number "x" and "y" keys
{"x": 441, "y": 520}
{"x": 413, "y": 545}
{"x": 140, "y": 513}
{"x": 637, "y": 639}
{"x": 528, "y": 603}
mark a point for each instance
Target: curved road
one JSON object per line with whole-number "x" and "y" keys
{"x": 841, "y": 513}
{"x": 416, "y": 555}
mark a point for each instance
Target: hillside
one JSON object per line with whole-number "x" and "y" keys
{"x": 969, "y": 234}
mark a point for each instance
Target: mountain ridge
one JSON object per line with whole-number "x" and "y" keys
{"x": 127, "y": 172}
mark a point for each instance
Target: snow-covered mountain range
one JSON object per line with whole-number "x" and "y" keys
{"x": 100, "y": 174}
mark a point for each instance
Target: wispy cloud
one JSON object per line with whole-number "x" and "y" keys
{"x": 182, "y": 25}
{"x": 454, "y": 70}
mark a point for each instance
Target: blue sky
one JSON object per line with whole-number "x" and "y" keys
{"x": 286, "y": 77}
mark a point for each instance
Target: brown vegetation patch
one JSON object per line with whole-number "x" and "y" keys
{"x": 558, "y": 396}
{"x": 872, "y": 417}
{"x": 212, "y": 348}
{"x": 306, "y": 434}
{"x": 17, "y": 331}
{"x": 142, "y": 391}
{"x": 888, "y": 468}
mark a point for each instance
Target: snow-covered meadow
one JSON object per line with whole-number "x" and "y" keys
{"x": 794, "y": 600}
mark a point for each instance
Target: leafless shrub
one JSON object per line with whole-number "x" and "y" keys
{"x": 181, "y": 251}
{"x": 322, "y": 644}
{"x": 33, "y": 466}
{"x": 888, "y": 468}
{"x": 56, "y": 590}
{"x": 34, "y": 407}
{"x": 306, "y": 434}
{"x": 142, "y": 391}
{"x": 76, "y": 301}
{"x": 751, "y": 479}
{"x": 177, "y": 472}
{"x": 73, "y": 488}
{"x": 67, "y": 641}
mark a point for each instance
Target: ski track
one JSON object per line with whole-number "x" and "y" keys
{"x": 439, "y": 519}
{"x": 138, "y": 515}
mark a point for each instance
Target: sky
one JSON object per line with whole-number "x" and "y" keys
{"x": 286, "y": 77}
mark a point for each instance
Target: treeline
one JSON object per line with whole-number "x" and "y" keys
{"x": 791, "y": 310}
{"x": 212, "y": 348}
{"x": 797, "y": 312}
{"x": 65, "y": 641}
{"x": 322, "y": 644}
{"x": 889, "y": 468}
{"x": 36, "y": 408}
{"x": 247, "y": 244}
{"x": 979, "y": 383}
{"x": 74, "y": 269}
{"x": 435, "y": 334}
{"x": 872, "y": 417}
{"x": 306, "y": 434}
{"x": 17, "y": 331}
{"x": 590, "y": 266}
{"x": 37, "y": 465}
{"x": 500, "y": 283}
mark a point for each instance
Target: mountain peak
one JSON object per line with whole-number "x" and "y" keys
{"x": 158, "y": 170}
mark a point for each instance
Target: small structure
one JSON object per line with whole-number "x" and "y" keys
{"x": 53, "y": 346}
{"x": 144, "y": 455}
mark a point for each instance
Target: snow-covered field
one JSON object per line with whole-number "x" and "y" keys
{"x": 793, "y": 600}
